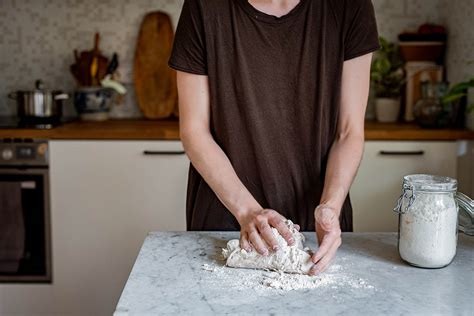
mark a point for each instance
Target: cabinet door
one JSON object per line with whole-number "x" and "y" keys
{"x": 377, "y": 185}
{"x": 106, "y": 197}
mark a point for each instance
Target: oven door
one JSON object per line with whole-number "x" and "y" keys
{"x": 25, "y": 253}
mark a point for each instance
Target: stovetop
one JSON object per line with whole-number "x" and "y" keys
{"x": 12, "y": 122}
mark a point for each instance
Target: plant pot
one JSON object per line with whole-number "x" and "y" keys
{"x": 422, "y": 51}
{"x": 387, "y": 110}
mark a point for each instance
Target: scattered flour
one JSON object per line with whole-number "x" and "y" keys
{"x": 270, "y": 282}
{"x": 266, "y": 275}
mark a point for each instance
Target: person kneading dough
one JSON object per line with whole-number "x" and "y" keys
{"x": 272, "y": 97}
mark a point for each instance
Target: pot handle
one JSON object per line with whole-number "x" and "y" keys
{"x": 13, "y": 95}
{"x": 62, "y": 96}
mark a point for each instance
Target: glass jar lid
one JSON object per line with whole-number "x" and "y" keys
{"x": 430, "y": 183}
{"x": 426, "y": 183}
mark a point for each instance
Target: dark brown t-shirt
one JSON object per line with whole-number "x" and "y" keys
{"x": 275, "y": 86}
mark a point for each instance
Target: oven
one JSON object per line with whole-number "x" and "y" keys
{"x": 25, "y": 239}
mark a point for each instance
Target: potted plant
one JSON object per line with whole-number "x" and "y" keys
{"x": 387, "y": 77}
{"x": 451, "y": 103}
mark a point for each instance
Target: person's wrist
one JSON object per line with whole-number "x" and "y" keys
{"x": 323, "y": 206}
{"x": 243, "y": 211}
{"x": 332, "y": 205}
{"x": 326, "y": 215}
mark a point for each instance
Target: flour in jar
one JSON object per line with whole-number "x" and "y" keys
{"x": 428, "y": 230}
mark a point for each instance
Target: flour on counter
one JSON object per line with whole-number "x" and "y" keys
{"x": 272, "y": 275}
{"x": 268, "y": 282}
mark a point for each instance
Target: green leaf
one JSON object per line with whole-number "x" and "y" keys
{"x": 452, "y": 97}
{"x": 461, "y": 87}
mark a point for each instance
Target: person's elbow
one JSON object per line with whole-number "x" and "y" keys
{"x": 191, "y": 136}
{"x": 351, "y": 133}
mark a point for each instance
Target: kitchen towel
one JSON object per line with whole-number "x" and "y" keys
{"x": 12, "y": 228}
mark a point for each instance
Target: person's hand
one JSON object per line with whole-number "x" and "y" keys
{"x": 328, "y": 232}
{"x": 256, "y": 232}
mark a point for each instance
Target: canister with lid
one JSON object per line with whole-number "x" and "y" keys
{"x": 428, "y": 220}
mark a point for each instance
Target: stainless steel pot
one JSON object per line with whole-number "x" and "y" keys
{"x": 40, "y": 103}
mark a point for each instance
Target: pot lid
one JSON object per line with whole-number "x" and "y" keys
{"x": 40, "y": 88}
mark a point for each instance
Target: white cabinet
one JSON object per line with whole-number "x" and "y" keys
{"x": 106, "y": 197}
{"x": 377, "y": 185}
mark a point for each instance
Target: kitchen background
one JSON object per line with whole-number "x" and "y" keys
{"x": 112, "y": 182}
{"x": 38, "y": 37}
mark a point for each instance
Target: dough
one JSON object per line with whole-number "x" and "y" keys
{"x": 291, "y": 259}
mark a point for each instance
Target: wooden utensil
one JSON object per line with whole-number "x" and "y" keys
{"x": 98, "y": 63}
{"x": 90, "y": 66}
{"x": 155, "y": 81}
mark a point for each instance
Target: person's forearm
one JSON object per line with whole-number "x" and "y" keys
{"x": 344, "y": 159}
{"x": 214, "y": 166}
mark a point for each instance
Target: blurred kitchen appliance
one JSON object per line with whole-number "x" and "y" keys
{"x": 24, "y": 162}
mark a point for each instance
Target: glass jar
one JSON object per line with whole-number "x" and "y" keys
{"x": 429, "y": 111}
{"x": 428, "y": 220}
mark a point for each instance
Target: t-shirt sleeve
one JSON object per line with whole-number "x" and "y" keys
{"x": 189, "y": 48}
{"x": 360, "y": 29}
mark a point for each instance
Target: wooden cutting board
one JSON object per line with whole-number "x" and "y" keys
{"x": 155, "y": 81}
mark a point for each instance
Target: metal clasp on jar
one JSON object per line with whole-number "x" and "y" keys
{"x": 408, "y": 192}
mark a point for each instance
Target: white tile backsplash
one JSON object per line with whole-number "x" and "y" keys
{"x": 38, "y": 37}
{"x": 460, "y": 54}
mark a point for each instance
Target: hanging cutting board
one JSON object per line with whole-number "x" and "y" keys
{"x": 155, "y": 81}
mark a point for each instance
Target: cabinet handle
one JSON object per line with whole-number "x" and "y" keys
{"x": 163, "y": 152}
{"x": 402, "y": 153}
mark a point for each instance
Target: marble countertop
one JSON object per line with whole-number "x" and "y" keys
{"x": 182, "y": 273}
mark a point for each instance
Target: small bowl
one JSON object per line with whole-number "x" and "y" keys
{"x": 422, "y": 51}
{"x": 93, "y": 103}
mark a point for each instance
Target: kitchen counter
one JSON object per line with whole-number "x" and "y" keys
{"x": 107, "y": 130}
{"x": 169, "y": 130}
{"x": 410, "y": 131}
{"x": 180, "y": 273}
